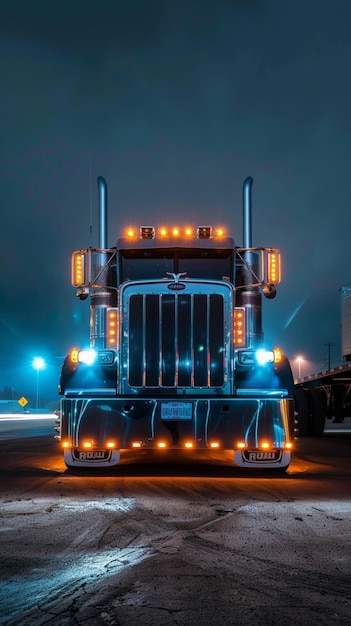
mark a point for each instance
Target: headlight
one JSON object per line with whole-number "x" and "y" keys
{"x": 259, "y": 357}
{"x": 87, "y": 356}
{"x": 264, "y": 356}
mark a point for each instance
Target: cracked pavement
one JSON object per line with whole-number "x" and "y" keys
{"x": 175, "y": 540}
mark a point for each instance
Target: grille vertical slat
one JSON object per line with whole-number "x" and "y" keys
{"x": 216, "y": 347}
{"x": 185, "y": 360}
{"x": 200, "y": 340}
{"x": 167, "y": 329}
{"x": 151, "y": 341}
{"x": 136, "y": 341}
{"x": 176, "y": 340}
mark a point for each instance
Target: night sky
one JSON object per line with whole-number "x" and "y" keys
{"x": 175, "y": 103}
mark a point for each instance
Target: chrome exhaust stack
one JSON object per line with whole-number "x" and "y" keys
{"x": 247, "y": 212}
{"x": 102, "y": 297}
{"x": 247, "y": 295}
{"x": 102, "y": 212}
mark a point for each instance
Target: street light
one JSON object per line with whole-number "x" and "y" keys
{"x": 299, "y": 360}
{"x": 38, "y": 364}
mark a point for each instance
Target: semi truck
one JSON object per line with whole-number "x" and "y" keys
{"x": 327, "y": 394}
{"x": 177, "y": 358}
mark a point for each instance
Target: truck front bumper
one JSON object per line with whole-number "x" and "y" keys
{"x": 259, "y": 430}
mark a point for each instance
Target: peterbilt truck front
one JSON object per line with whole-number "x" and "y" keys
{"x": 177, "y": 357}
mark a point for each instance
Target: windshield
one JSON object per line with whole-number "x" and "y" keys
{"x": 197, "y": 263}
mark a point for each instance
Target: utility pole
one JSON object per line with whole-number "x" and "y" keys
{"x": 329, "y": 345}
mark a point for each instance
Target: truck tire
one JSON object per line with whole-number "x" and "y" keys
{"x": 317, "y": 412}
{"x": 303, "y": 413}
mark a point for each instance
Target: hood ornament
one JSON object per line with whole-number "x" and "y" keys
{"x": 176, "y": 285}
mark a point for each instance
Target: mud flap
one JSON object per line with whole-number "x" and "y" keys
{"x": 262, "y": 459}
{"x": 91, "y": 458}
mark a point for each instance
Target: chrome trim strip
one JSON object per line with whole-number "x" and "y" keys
{"x": 262, "y": 392}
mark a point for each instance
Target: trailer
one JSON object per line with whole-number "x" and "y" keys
{"x": 327, "y": 394}
{"x": 177, "y": 358}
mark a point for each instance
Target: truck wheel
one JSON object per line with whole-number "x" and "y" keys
{"x": 317, "y": 411}
{"x": 302, "y": 410}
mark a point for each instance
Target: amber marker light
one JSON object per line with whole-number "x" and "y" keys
{"x": 74, "y": 355}
{"x": 163, "y": 232}
{"x": 239, "y": 327}
{"x": 265, "y": 445}
{"x": 65, "y": 444}
{"x": 87, "y": 444}
{"x": 161, "y": 444}
{"x": 110, "y": 444}
{"x": 112, "y": 327}
{"x": 130, "y": 233}
{"x": 175, "y": 232}
{"x": 188, "y": 232}
{"x": 277, "y": 355}
{"x": 78, "y": 273}
{"x": 288, "y": 445}
{"x": 220, "y": 232}
{"x": 274, "y": 267}
{"x": 188, "y": 444}
{"x": 136, "y": 444}
{"x": 241, "y": 445}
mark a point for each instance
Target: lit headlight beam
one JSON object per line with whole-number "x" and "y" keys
{"x": 87, "y": 356}
{"x": 264, "y": 356}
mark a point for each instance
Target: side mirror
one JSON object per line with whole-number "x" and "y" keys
{"x": 82, "y": 293}
{"x": 269, "y": 291}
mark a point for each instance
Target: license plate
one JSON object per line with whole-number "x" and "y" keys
{"x": 176, "y": 411}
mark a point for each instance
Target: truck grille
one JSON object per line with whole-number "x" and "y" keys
{"x": 176, "y": 340}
